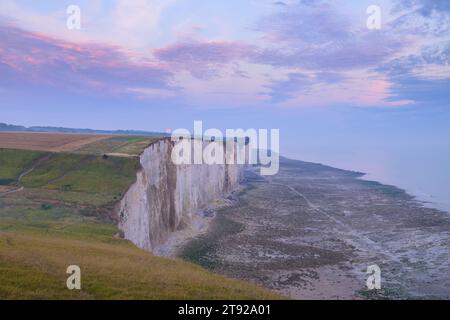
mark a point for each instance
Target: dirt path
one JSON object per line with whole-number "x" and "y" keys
{"x": 37, "y": 163}
{"x": 25, "y": 173}
{"x": 12, "y": 191}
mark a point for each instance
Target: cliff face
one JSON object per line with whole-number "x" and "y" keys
{"x": 165, "y": 196}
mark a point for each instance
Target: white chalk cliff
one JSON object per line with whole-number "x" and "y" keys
{"x": 165, "y": 196}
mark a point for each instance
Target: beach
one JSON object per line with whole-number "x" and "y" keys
{"x": 312, "y": 231}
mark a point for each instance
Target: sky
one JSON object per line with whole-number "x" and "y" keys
{"x": 339, "y": 92}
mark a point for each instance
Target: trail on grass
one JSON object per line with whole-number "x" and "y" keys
{"x": 25, "y": 173}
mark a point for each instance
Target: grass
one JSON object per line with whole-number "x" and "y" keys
{"x": 65, "y": 216}
{"x": 37, "y": 244}
{"x": 34, "y": 266}
{"x": 13, "y": 163}
{"x": 130, "y": 145}
{"x": 76, "y": 176}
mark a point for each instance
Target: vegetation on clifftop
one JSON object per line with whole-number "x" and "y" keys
{"x": 65, "y": 216}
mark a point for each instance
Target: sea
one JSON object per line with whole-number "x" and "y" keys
{"x": 423, "y": 172}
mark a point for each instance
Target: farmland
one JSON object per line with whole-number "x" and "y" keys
{"x": 46, "y": 141}
{"x": 63, "y": 214}
{"x": 76, "y": 143}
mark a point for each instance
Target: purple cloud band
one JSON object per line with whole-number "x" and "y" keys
{"x": 36, "y": 59}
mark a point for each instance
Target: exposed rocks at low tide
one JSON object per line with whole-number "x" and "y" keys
{"x": 312, "y": 231}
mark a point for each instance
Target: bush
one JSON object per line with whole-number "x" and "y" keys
{"x": 46, "y": 206}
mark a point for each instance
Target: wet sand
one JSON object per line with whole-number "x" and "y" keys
{"x": 311, "y": 231}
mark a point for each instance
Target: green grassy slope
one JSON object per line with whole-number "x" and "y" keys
{"x": 64, "y": 216}
{"x": 33, "y": 265}
{"x": 107, "y": 177}
{"x": 12, "y": 163}
{"x": 119, "y": 144}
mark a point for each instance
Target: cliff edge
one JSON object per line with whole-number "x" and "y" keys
{"x": 165, "y": 196}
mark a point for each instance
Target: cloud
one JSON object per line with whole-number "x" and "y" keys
{"x": 306, "y": 52}
{"x": 36, "y": 59}
{"x": 423, "y": 16}
{"x": 280, "y": 3}
{"x": 318, "y": 36}
{"x": 137, "y": 22}
{"x": 300, "y": 83}
{"x": 363, "y": 89}
{"x": 425, "y": 7}
{"x": 133, "y": 24}
{"x": 203, "y": 59}
{"x": 330, "y": 58}
{"x": 299, "y": 24}
{"x": 427, "y": 92}
{"x": 430, "y": 62}
{"x": 423, "y": 77}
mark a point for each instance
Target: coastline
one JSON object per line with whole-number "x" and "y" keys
{"x": 426, "y": 199}
{"x": 422, "y": 173}
{"x": 312, "y": 231}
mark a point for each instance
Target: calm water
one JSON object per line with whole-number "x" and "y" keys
{"x": 422, "y": 171}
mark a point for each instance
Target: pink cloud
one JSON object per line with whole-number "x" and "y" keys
{"x": 36, "y": 59}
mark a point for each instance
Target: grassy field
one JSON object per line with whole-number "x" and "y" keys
{"x": 33, "y": 266}
{"x": 119, "y": 145}
{"x": 47, "y": 141}
{"x": 13, "y": 163}
{"x": 84, "y": 179}
{"x": 65, "y": 216}
{"x": 106, "y": 177}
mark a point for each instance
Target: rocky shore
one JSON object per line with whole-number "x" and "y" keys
{"x": 312, "y": 231}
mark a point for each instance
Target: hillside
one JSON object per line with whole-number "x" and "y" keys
{"x": 57, "y": 209}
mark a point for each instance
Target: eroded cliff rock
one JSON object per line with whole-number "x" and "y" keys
{"x": 165, "y": 196}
